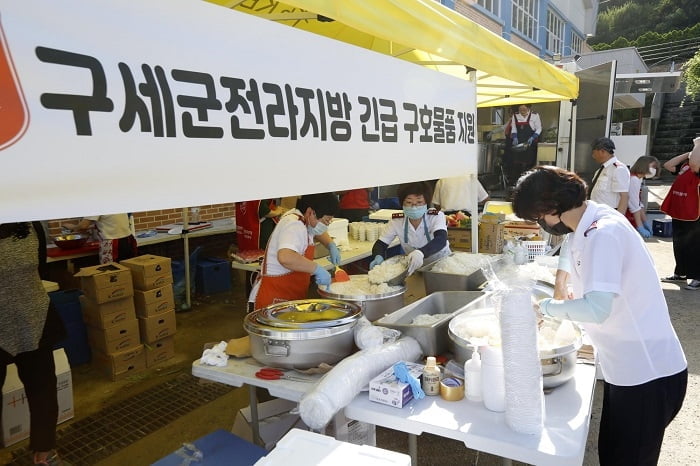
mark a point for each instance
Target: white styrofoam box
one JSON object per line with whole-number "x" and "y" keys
{"x": 301, "y": 448}
{"x": 15, "y": 410}
{"x": 274, "y": 420}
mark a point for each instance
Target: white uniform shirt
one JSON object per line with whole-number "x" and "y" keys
{"x": 634, "y": 204}
{"x": 455, "y": 193}
{"x": 289, "y": 233}
{"x": 637, "y": 342}
{"x": 112, "y": 226}
{"x": 613, "y": 180}
{"x": 417, "y": 238}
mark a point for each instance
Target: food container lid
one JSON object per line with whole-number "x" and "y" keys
{"x": 309, "y": 313}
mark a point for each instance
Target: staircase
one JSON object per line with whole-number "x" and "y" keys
{"x": 678, "y": 125}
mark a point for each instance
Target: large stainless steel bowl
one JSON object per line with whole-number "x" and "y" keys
{"x": 302, "y": 334}
{"x": 72, "y": 241}
{"x": 558, "y": 364}
{"x": 373, "y": 306}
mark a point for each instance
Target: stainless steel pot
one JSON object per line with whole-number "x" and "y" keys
{"x": 373, "y": 306}
{"x": 558, "y": 364}
{"x": 302, "y": 334}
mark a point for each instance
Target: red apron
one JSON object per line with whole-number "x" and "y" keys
{"x": 287, "y": 287}
{"x": 683, "y": 201}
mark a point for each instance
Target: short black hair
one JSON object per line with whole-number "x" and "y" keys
{"x": 419, "y": 188}
{"x": 605, "y": 144}
{"x": 547, "y": 190}
{"x": 321, "y": 203}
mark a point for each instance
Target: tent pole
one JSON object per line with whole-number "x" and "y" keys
{"x": 474, "y": 178}
{"x": 186, "y": 247}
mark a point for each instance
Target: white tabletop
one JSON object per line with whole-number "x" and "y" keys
{"x": 563, "y": 441}
{"x": 223, "y": 225}
{"x": 240, "y": 371}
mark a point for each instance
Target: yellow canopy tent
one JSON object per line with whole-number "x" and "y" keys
{"x": 426, "y": 33}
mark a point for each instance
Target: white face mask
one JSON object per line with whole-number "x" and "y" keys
{"x": 651, "y": 174}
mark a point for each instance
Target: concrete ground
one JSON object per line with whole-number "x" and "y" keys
{"x": 220, "y": 318}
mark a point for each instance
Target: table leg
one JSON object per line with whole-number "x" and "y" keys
{"x": 254, "y": 422}
{"x": 413, "y": 448}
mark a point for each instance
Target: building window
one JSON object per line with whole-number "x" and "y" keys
{"x": 576, "y": 43}
{"x": 490, "y": 5}
{"x": 555, "y": 32}
{"x": 524, "y": 18}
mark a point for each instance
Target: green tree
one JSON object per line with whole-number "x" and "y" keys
{"x": 691, "y": 76}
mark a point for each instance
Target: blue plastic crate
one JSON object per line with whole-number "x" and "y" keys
{"x": 213, "y": 276}
{"x": 662, "y": 228}
{"x": 76, "y": 344}
{"x": 67, "y": 304}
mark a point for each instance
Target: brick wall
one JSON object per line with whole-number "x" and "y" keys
{"x": 153, "y": 218}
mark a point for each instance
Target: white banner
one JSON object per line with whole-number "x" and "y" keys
{"x": 123, "y": 106}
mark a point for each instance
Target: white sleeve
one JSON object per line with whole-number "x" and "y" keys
{"x": 634, "y": 202}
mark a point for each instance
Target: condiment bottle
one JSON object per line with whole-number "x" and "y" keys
{"x": 431, "y": 377}
{"x": 493, "y": 384}
{"x": 472, "y": 376}
{"x": 520, "y": 254}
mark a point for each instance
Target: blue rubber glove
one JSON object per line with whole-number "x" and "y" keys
{"x": 323, "y": 277}
{"x": 531, "y": 140}
{"x": 334, "y": 253}
{"x": 403, "y": 375}
{"x": 515, "y": 140}
{"x": 644, "y": 232}
{"x": 375, "y": 262}
{"x": 647, "y": 225}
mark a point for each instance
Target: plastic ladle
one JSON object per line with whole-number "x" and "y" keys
{"x": 340, "y": 275}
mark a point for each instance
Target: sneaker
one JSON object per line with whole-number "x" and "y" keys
{"x": 693, "y": 285}
{"x": 51, "y": 460}
{"x": 674, "y": 278}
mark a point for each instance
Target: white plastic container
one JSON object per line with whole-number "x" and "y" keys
{"x": 493, "y": 387}
{"x": 431, "y": 377}
{"x": 472, "y": 376}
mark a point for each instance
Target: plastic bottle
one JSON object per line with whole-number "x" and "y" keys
{"x": 472, "y": 376}
{"x": 431, "y": 377}
{"x": 520, "y": 254}
{"x": 493, "y": 386}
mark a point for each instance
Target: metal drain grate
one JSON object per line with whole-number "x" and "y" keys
{"x": 96, "y": 437}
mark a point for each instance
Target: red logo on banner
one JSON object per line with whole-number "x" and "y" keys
{"x": 13, "y": 110}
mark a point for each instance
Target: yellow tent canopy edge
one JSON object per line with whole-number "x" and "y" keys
{"x": 429, "y": 34}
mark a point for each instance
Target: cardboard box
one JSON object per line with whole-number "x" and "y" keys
{"x": 121, "y": 364}
{"x": 274, "y": 421}
{"x": 106, "y": 282}
{"x": 351, "y": 431}
{"x": 386, "y": 388}
{"x": 107, "y": 314}
{"x": 157, "y": 327}
{"x": 159, "y": 351}
{"x": 149, "y": 271}
{"x": 460, "y": 239}
{"x": 123, "y": 336}
{"x": 490, "y": 238}
{"x": 15, "y": 410}
{"x": 522, "y": 228}
{"x": 154, "y": 302}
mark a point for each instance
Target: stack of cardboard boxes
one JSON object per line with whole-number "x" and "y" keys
{"x": 155, "y": 305}
{"x": 494, "y": 231}
{"x": 108, "y": 310}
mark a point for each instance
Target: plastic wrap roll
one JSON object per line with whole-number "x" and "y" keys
{"x": 521, "y": 363}
{"x": 339, "y": 386}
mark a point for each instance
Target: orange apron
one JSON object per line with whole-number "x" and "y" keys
{"x": 287, "y": 287}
